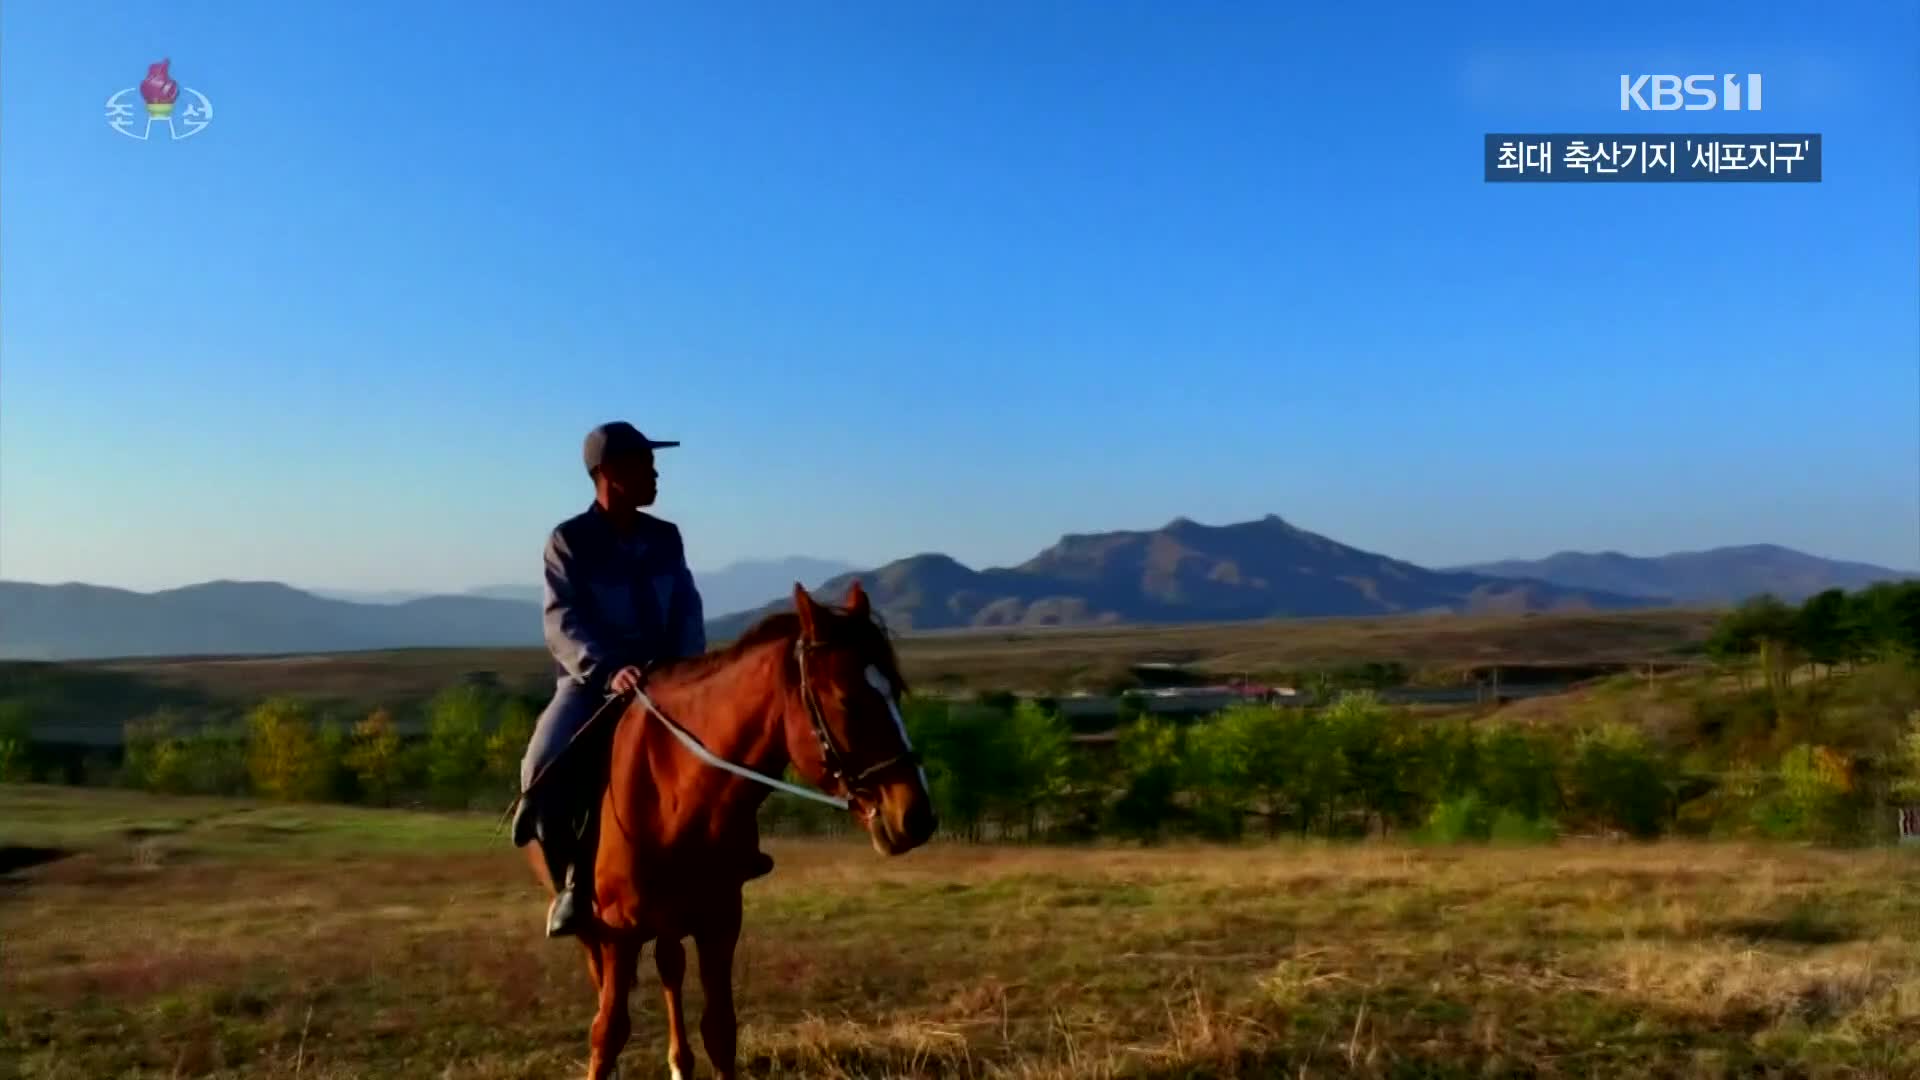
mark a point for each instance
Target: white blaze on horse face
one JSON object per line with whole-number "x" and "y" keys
{"x": 879, "y": 682}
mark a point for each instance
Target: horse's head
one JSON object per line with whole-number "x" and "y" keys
{"x": 848, "y": 736}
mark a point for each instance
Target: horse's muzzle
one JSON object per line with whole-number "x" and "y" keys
{"x": 905, "y": 819}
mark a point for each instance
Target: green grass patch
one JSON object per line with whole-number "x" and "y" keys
{"x": 293, "y": 941}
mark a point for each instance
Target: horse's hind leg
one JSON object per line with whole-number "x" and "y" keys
{"x": 619, "y": 957}
{"x": 719, "y": 1029}
{"x": 670, "y": 959}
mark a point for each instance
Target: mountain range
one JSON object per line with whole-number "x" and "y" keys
{"x": 1721, "y": 576}
{"x": 60, "y": 622}
{"x": 738, "y": 585}
{"x": 1181, "y": 572}
{"x": 1189, "y": 572}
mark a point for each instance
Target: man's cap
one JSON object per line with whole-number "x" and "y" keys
{"x": 615, "y": 439}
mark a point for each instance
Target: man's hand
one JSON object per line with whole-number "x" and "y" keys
{"x": 626, "y": 679}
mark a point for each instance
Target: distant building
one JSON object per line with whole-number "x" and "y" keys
{"x": 1910, "y": 824}
{"x": 1158, "y": 675}
{"x": 1179, "y": 700}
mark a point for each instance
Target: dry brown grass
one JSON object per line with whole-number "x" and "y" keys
{"x": 1414, "y": 640}
{"x": 422, "y": 960}
{"x": 386, "y": 676}
{"x": 1023, "y": 659}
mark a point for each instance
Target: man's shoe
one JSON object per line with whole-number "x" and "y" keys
{"x": 566, "y": 916}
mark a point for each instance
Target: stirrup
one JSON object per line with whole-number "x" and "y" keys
{"x": 572, "y": 923}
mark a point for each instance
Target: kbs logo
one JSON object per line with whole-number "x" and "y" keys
{"x": 1694, "y": 93}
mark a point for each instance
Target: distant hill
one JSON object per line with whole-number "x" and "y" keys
{"x": 525, "y": 594}
{"x": 370, "y": 596}
{"x": 68, "y": 622}
{"x": 1722, "y": 575}
{"x": 749, "y": 583}
{"x": 1183, "y": 572}
{"x": 753, "y": 583}
{"x": 53, "y": 622}
{"x": 1188, "y": 572}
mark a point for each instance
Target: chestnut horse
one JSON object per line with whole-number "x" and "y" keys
{"x": 817, "y": 688}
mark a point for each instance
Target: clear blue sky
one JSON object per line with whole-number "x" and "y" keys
{"x": 955, "y": 277}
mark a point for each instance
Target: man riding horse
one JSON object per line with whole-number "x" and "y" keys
{"x": 619, "y": 599}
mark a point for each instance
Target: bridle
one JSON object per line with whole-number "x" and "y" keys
{"x": 834, "y": 760}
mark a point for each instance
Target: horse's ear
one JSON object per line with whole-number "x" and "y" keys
{"x": 857, "y": 601}
{"x": 808, "y": 611}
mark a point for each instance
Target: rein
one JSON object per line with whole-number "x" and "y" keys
{"x": 835, "y": 760}
{"x": 709, "y": 757}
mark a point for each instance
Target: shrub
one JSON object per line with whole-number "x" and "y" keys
{"x": 1241, "y": 762}
{"x": 1515, "y": 828}
{"x": 508, "y": 744}
{"x": 142, "y": 741}
{"x": 339, "y": 783}
{"x": 210, "y": 761}
{"x": 1150, "y": 771}
{"x": 373, "y": 756}
{"x": 1518, "y": 771}
{"x": 1036, "y": 758}
{"x": 959, "y": 745}
{"x": 1814, "y": 798}
{"x": 457, "y": 744}
{"x": 285, "y": 756}
{"x": 172, "y": 753}
{"x": 16, "y": 742}
{"x": 1457, "y": 821}
{"x": 1619, "y": 782}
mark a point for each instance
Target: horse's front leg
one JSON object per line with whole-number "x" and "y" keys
{"x": 670, "y": 959}
{"x": 619, "y": 959}
{"x": 716, "y": 939}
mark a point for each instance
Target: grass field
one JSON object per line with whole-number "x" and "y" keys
{"x": 213, "y": 938}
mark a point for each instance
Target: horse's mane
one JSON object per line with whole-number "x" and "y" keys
{"x": 784, "y": 627}
{"x": 779, "y": 626}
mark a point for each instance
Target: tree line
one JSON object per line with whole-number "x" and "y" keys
{"x": 1746, "y": 750}
{"x": 468, "y": 757}
{"x": 1832, "y": 630}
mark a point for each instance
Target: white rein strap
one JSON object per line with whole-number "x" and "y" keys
{"x": 693, "y": 746}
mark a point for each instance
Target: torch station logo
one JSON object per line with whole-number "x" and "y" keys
{"x": 160, "y": 94}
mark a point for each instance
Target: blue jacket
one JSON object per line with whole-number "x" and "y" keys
{"x": 611, "y": 601}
